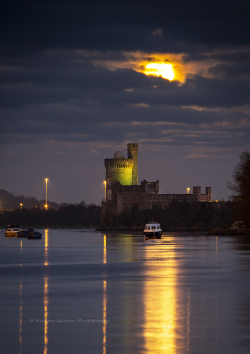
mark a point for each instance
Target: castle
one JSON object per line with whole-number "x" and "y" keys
{"x": 122, "y": 190}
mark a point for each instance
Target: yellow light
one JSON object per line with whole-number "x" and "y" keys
{"x": 160, "y": 69}
{"x": 188, "y": 190}
{"x": 46, "y": 182}
{"x": 21, "y": 205}
{"x": 105, "y": 183}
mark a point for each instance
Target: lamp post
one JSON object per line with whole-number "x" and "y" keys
{"x": 46, "y": 182}
{"x": 188, "y": 189}
{"x": 21, "y": 206}
{"x": 105, "y": 183}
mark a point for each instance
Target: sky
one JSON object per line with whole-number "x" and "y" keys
{"x": 76, "y": 86}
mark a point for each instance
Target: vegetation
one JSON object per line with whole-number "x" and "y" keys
{"x": 67, "y": 216}
{"x": 178, "y": 216}
{"x": 241, "y": 186}
{"x": 10, "y": 201}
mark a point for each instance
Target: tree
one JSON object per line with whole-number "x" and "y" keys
{"x": 241, "y": 185}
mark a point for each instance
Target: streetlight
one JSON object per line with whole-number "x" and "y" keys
{"x": 105, "y": 182}
{"x": 46, "y": 182}
{"x": 188, "y": 189}
{"x": 21, "y": 206}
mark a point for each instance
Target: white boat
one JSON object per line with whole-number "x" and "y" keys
{"x": 12, "y": 230}
{"x": 152, "y": 230}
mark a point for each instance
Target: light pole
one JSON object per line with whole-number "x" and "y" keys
{"x": 46, "y": 182}
{"x": 105, "y": 189}
{"x": 21, "y": 206}
{"x": 188, "y": 189}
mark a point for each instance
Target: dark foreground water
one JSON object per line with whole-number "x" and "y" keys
{"x": 80, "y": 291}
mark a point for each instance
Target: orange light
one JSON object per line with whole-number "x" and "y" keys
{"x": 105, "y": 182}
{"x": 164, "y": 70}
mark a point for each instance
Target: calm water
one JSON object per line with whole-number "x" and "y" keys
{"x": 80, "y": 291}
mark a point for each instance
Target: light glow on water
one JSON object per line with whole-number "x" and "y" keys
{"x": 46, "y": 284}
{"x": 45, "y": 304}
{"x": 104, "y": 316}
{"x": 46, "y": 245}
{"x": 160, "y": 308}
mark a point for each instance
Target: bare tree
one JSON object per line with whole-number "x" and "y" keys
{"x": 241, "y": 186}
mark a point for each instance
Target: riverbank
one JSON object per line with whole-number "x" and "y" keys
{"x": 237, "y": 228}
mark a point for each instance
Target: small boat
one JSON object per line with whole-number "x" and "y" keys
{"x": 12, "y": 231}
{"x": 152, "y": 230}
{"x": 34, "y": 234}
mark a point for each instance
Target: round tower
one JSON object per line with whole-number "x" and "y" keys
{"x": 133, "y": 154}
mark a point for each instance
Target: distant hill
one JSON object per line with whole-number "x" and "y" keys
{"x": 10, "y": 201}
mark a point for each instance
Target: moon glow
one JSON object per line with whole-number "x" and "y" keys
{"x": 160, "y": 69}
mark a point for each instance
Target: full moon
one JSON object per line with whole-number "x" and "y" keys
{"x": 160, "y": 69}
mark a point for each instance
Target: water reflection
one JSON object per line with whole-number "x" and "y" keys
{"x": 188, "y": 321}
{"x": 104, "y": 316}
{"x": 20, "y": 315}
{"x": 45, "y": 293}
{"x": 160, "y": 296}
{"x": 46, "y": 245}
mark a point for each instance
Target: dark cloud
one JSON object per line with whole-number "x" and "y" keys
{"x": 30, "y": 26}
{"x": 68, "y": 86}
{"x": 80, "y": 84}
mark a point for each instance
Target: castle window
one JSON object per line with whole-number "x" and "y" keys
{"x": 109, "y": 181}
{"x": 109, "y": 194}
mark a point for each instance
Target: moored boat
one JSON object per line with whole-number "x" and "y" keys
{"x": 34, "y": 234}
{"x": 12, "y": 231}
{"x": 152, "y": 230}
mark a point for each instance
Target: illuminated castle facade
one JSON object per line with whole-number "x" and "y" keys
{"x": 122, "y": 191}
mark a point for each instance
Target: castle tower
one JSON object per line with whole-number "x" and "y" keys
{"x": 133, "y": 154}
{"x": 197, "y": 193}
{"x": 208, "y": 193}
{"x": 122, "y": 170}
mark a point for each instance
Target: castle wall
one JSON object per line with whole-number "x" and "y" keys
{"x": 127, "y": 196}
{"x": 123, "y": 191}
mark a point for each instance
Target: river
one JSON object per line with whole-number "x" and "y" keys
{"x": 82, "y": 291}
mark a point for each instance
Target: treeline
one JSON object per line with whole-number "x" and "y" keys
{"x": 67, "y": 216}
{"x": 10, "y": 201}
{"x": 178, "y": 216}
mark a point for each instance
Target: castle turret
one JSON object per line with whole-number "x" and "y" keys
{"x": 133, "y": 154}
{"x": 197, "y": 193}
{"x": 208, "y": 193}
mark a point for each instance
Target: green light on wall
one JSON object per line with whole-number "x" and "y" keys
{"x": 122, "y": 175}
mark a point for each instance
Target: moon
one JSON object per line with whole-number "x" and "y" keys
{"x": 160, "y": 69}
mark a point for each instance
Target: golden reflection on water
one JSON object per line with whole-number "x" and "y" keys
{"x": 45, "y": 293}
{"x": 104, "y": 316}
{"x": 46, "y": 245}
{"x": 45, "y": 304}
{"x": 160, "y": 299}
